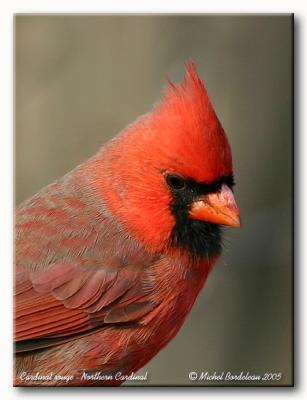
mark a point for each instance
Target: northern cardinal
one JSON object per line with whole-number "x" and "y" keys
{"x": 111, "y": 257}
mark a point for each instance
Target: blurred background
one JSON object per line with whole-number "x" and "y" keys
{"x": 81, "y": 79}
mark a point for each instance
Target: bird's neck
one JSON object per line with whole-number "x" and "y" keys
{"x": 140, "y": 214}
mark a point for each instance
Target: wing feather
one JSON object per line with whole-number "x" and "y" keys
{"x": 64, "y": 300}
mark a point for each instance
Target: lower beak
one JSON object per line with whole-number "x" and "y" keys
{"x": 218, "y": 208}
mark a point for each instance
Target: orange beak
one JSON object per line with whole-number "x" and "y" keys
{"x": 218, "y": 208}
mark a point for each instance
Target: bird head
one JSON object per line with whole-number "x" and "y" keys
{"x": 168, "y": 177}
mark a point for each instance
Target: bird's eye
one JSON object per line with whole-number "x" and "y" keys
{"x": 175, "y": 182}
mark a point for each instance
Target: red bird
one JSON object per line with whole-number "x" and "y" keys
{"x": 111, "y": 257}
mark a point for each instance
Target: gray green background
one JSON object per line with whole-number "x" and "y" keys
{"x": 81, "y": 79}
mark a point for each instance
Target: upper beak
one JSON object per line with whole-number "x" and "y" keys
{"x": 218, "y": 208}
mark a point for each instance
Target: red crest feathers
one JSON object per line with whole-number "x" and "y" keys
{"x": 185, "y": 124}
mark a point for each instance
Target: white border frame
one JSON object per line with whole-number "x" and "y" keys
{"x": 7, "y": 11}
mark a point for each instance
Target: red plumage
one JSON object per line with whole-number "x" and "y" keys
{"x": 99, "y": 284}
